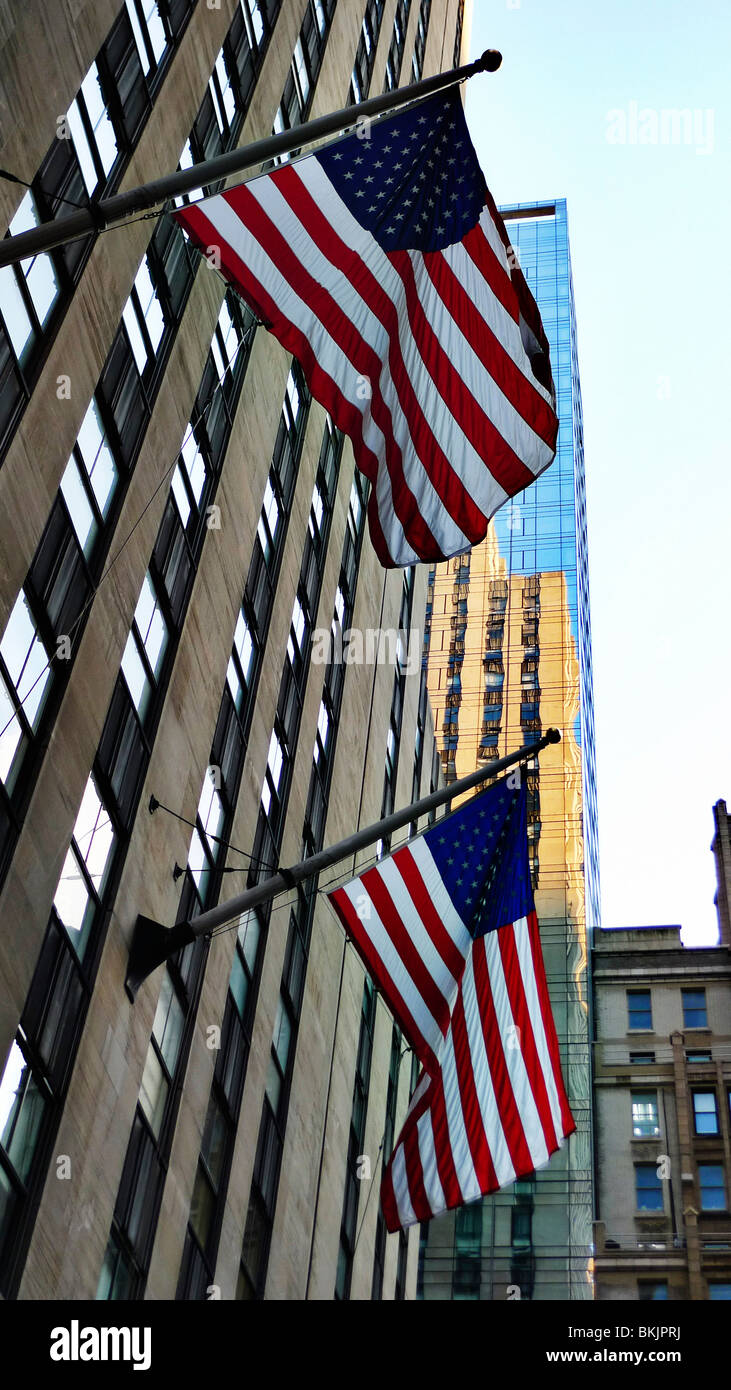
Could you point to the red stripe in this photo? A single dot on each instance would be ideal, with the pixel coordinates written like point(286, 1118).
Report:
point(405, 948)
point(375, 966)
point(497, 455)
point(527, 401)
point(495, 1043)
point(443, 943)
point(539, 970)
point(388, 1201)
point(519, 1006)
point(527, 307)
point(445, 480)
point(471, 1112)
point(408, 1142)
point(443, 1147)
point(489, 264)
point(415, 1172)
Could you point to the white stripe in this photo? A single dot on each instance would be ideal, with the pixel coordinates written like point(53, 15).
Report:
point(443, 905)
point(428, 1158)
point(406, 908)
point(497, 246)
point(527, 970)
point(459, 1143)
point(399, 1178)
point(384, 948)
point(512, 1051)
point(503, 325)
point(489, 1109)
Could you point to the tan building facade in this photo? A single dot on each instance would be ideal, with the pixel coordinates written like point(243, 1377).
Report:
point(179, 521)
point(662, 1130)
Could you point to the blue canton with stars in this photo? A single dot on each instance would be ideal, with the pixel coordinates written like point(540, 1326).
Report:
point(481, 852)
point(414, 182)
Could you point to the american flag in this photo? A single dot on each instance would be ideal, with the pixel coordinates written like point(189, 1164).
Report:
point(447, 928)
point(382, 263)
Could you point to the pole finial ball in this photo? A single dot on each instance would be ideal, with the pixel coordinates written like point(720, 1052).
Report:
point(490, 60)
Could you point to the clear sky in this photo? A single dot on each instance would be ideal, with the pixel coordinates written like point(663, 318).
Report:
point(576, 111)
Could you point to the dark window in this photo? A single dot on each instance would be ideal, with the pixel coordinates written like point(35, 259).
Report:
point(639, 1008)
point(649, 1187)
point(705, 1112)
point(645, 1124)
point(652, 1291)
point(694, 1008)
point(712, 1188)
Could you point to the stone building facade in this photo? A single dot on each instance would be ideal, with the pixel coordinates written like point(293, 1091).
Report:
point(177, 518)
point(662, 1131)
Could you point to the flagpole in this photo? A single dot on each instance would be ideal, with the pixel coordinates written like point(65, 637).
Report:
point(153, 944)
point(104, 212)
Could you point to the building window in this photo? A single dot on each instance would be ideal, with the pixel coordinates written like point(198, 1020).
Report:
point(649, 1187)
point(642, 1059)
point(719, 1292)
point(639, 1008)
point(705, 1112)
point(648, 1292)
point(695, 1058)
point(711, 1184)
point(694, 1008)
point(28, 291)
point(355, 1142)
point(644, 1115)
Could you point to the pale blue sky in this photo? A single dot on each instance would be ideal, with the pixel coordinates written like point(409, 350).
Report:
point(649, 223)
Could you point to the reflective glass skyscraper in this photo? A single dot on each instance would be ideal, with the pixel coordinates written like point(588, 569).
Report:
point(508, 647)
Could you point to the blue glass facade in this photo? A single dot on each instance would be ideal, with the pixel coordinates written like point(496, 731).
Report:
point(508, 641)
point(545, 528)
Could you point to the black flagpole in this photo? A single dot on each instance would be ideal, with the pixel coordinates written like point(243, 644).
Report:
point(103, 213)
point(153, 944)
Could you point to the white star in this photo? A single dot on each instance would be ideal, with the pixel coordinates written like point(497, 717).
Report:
point(358, 160)
point(378, 164)
point(351, 175)
point(338, 156)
